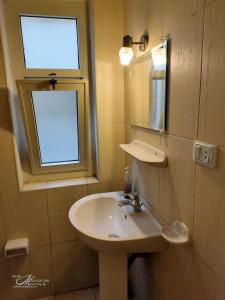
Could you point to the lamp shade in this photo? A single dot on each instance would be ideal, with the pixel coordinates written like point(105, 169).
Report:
point(126, 54)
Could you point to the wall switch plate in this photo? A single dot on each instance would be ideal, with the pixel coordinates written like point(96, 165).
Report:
point(205, 154)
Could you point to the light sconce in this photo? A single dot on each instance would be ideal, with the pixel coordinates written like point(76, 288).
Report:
point(126, 53)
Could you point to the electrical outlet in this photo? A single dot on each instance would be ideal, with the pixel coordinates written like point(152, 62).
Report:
point(205, 154)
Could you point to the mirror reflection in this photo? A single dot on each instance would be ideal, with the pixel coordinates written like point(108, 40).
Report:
point(147, 80)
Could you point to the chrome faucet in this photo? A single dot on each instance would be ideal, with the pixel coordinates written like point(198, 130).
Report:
point(133, 200)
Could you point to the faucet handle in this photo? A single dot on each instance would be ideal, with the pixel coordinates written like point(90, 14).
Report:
point(133, 196)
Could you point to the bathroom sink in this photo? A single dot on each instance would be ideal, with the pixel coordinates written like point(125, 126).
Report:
point(105, 226)
point(114, 231)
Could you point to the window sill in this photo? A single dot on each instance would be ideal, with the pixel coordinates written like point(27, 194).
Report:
point(34, 186)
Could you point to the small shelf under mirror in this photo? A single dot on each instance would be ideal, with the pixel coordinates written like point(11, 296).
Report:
point(145, 153)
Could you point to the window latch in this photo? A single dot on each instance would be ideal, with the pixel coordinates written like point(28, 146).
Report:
point(53, 81)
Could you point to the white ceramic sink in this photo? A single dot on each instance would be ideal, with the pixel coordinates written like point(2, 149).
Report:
point(105, 226)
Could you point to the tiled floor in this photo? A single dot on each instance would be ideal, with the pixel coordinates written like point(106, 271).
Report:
point(87, 294)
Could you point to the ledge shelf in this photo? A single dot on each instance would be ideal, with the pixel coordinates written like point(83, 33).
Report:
point(145, 153)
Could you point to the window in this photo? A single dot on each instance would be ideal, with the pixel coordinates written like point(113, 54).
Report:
point(56, 119)
point(55, 123)
point(50, 43)
point(47, 37)
point(47, 40)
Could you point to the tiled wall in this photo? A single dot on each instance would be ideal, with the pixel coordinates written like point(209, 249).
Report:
point(42, 215)
point(196, 110)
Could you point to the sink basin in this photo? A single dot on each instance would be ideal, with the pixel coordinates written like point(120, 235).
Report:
point(105, 226)
point(114, 231)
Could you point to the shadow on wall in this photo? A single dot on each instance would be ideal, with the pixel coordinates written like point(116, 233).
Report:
point(5, 122)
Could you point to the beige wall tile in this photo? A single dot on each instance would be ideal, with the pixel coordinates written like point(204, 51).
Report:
point(112, 157)
point(108, 34)
point(149, 184)
point(37, 263)
point(119, 185)
point(5, 279)
point(209, 222)
point(106, 186)
point(205, 283)
point(2, 230)
point(148, 136)
point(59, 202)
point(155, 19)
point(153, 266)
point(8, 179)
point(3, 83)
point(87, 294)
point(176, 11)
point(141, 17)
point(212, 109)
point(184, 77)
point(156, 293)
point(135, 18)
point(175, 272)
point(71, 265)
point(177, 181)
point(94, 274)
point(109, 83)
point(25, 215)
point(210, 1)
point(129, 133)
point(108, 28)
point(135, 174)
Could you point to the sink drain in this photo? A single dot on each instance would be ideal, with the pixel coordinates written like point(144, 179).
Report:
point(113, 235)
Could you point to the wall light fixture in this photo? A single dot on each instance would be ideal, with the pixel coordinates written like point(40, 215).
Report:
point(126, 53)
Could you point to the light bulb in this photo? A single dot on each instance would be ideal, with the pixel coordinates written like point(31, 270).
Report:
point(126, 54)
point(159, 59)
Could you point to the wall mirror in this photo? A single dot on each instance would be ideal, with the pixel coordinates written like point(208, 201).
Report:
point(147, 88)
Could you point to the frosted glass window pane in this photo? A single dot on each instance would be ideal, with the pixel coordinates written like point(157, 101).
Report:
point(56, 125)
point(50, 43)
